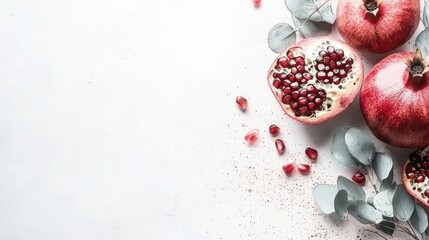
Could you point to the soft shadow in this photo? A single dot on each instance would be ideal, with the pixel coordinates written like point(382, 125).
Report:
point(322, 133)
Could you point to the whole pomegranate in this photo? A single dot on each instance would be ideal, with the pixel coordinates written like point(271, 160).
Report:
point(377, 26)
point(415, 175)
point(394, 100)
point(316, 79)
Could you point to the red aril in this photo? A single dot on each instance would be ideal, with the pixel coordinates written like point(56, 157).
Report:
point(241, 103)
point(252, 136)
point(359, 178)
point(316, 79)
point(304, 168)
point(375, 25)
point(288, 169)
point(281, 148)
point(311, 153)
point(394, 100)
point(415, 175)
point(256, 3)
point(274, 130)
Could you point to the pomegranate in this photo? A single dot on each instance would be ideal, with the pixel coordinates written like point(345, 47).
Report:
point(316, 79)
point(415, 175)
point(375, 25)
point(394, 100)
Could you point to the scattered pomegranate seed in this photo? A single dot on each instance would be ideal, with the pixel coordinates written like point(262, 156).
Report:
point(241, 103)
point(274, 130)
point(280, 145)
point(359, 178)
point(257, 3)
point(311, 153)
point(252, 136)
point(304, 168)
point(288, 168)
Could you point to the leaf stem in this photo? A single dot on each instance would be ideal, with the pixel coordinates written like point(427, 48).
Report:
point(375, 232)
point(365, 168)
point(316, 10)
point(412, 229)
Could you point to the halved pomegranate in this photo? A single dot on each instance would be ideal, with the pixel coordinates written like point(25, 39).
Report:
point(415, 175)
point(316, 79)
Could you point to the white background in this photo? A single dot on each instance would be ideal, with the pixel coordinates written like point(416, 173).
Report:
point(118, 121)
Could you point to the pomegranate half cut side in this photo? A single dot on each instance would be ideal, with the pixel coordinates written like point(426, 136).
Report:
point(316, 79)
point(415, 175)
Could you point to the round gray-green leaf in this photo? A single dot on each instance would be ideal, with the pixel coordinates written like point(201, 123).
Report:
point(324, 196)
point(312, 28)
point(382, 165)
point(419, 219)
point(281, 36)
point(422, 42)
point(340, 150)
point(303, 9)
point(426, 15)
point(354, 190)
point(389, 188)
point(382, 203)
point(340, 203)
point(360, 145)
point(403, 204)
point(364, 212)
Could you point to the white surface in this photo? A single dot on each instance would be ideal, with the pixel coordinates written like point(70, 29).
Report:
point(118, 121)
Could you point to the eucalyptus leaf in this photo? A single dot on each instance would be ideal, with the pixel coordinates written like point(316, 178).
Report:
point(281, 36)
point(354, 190)
point(419, 219)
point(324, 196)
point(370, 200)
point(403, 204)
point(360, 145)
point(340, 203)
point(313, 10)
point(364, 212)
point(427, 231)
point(340, 149)
point(311, 28)
point(386, 225)
point(422, 42)
point(389, 188)
point(382, 165)
point(426, 15)
point(383, 204)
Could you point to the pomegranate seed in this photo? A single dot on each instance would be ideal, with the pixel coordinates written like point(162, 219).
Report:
point(427, 193)
point(287, 90)
point(283, 76)
point(286, 83)
point(304, 168)
point(330, 49)
point(303, 92)
point(330, 74)
point(340, 53)
point(241, 103)
point(295, 85)
point(303, 101)
point(343, 73)
point(303, 111)
point(320, 75)
point(287, 99)
point(318, 101)
point(326, 60)
point(332, 65)
point(298, 76)
point(334, 56)
point(290, 77)
point(320, 67)
point(411, 175)
point(420, 179)
point(311, 106)
point(294, 105)
point(252, 136)
point(283, 61)
point(307, 76)
point(359, 178)
point(295, 95)
point(277, 84)
point(311, 153)
point(311, 97)
point(300, 61)
point(256, 3)
point(323, 53)
point(425, 165)
point(292, 63)
point(274, 130)
point(280, 145)
point(336, 80)
point(288, 168)
point(350, 61)
point(294, 70)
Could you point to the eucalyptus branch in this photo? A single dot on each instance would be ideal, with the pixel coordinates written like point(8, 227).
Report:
point(375, 232)
point(316, 10)
point(365, 168)
point(412, 229)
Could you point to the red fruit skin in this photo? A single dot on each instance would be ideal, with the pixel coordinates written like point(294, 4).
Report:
point(393, 25)
point(396, 111)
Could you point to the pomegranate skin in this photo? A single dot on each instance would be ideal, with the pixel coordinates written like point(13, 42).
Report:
point(395, 110)
point(393, 25)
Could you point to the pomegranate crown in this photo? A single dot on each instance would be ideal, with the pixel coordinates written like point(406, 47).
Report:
point(417, 66)
point(371, 6)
